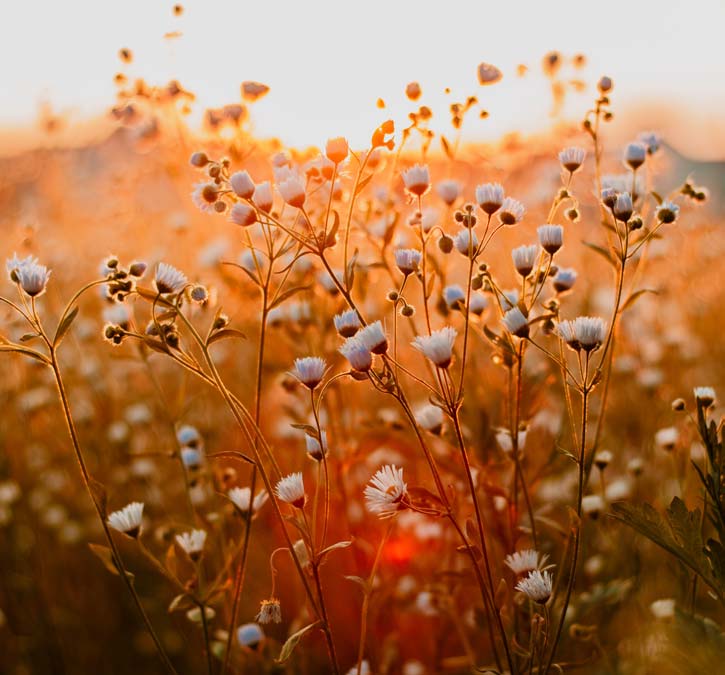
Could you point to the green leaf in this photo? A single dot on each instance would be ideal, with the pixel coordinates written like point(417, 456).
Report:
point(292, 641)
point(64, 326)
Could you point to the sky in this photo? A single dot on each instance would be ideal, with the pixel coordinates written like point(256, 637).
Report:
point(327, 62)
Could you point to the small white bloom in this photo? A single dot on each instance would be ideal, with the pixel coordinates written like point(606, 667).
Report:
point(667, 212)
point(407, 260)
point(430, 418)
point(291, 489)
point(537, 586)
point(564, 279)
point(505, 440)
point(663, 609)
point(169, 279)
point(623, 207)
point(204, 196)
point(704, 395)
point(357, 353)
point(33, 278)
point(466, 241)
point(250, 635)
point(592, 506)
point(14, 264)
point(572, 158)
point(516, 323)
point(386, 493)
point(667, 438)
point(243, 214)
point(510, 299)
point(347, 323)
point(310, 370)
point(635, 155)
point(490, 197)
point(192, 543)
point(374, 338)
point(448, 191)
point(188, 435)
point(523, 562)
point(128, 519)
point(292, 189)
point(478, 303)
point(551, 237)
point(241, 497)
point(590, 332)
point(454, 296)
point(417, 179)
point(263, 197)
point(512, 211)
point(524, 258)
point(314, 449)
point(242, 184)
point(438, 346)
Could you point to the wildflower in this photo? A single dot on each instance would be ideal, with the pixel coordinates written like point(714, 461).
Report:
point(191, 458)
point(667, 212)
point(537, 586)
point(488, 74)
point(478, 303)
point(667, 438)
point(505, 440)
point(407, 260)
point(490, 197)
point(269, 612)
point(169, 279)
point(634, 155)
point(192, 543)
point(623, 207)
point(438, 346)
point(448, 191)
point(128, 519)
point(417, 179)
point(32, 277)
point(336, 149)
point(592, 506)
point(512, 211)
point(454, 296)
point(314, 449)
point(243, 214)
point(242, 184)
point(551, 237)
point(188, 435)
point(523, 562)
point(310, 370)
point(347, 323)
point(663, 609)
point(250, 635)
point(466, 242)
point(650, 140)
point(263, 197)
point(524, 258)
point(387, 492)
point(291, 489)
point(205, 196)
point(357, 353)
point(241, 498)
point(374, 338)
point(589, 332)
point(430, 418)
point(705, 396)
point(572, 158)
point(14, 264)
point(609, 197)
point(603, 459)
point(564, 279)
point(292, 190)
point(516, 323)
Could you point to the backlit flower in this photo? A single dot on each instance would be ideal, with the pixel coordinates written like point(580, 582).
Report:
point(243, 214)
point(516, 323)
point(128, 519)
point(386, 493)
point(242, 184)
point(291, 489)
point(417, 179)
point(523, 562)
point(357, 353)
point(537, 586)
point(374, 338)
point(310, 370)
point(269, 612)
point(572, 158)
point(512, 211)
point(168, 279)
point(524, 258)
point(490, 197)
point(551, 237)
point(292, 190)
point(192, 543)
point(347, 323)
point(438, 346)
point(448, 190)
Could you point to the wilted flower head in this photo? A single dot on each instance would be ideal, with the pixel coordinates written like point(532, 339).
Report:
point(374, 338)
point(490, 197)
point(564, 279)
point(438, 346)
point(417, 179)
point(537, 586)
point(523, 562)
point(635, 155)
point(347, 323)
point(192, 543)
point(242, 184)
point(291, 489)
point(407, 260)
point(292, 190)
point(551, 237)
point(168, 279)
point(269, 612)
point(448, 191)
point(516, 323)
point(512, 211)
point(572, 158)
point(250, 635)
point(357, 353)
point(310, 370)
point(524, 258)
point(667, 212)
point(336, 149)
point(386, 493)
point(128, 519)
point(243, 214)
point(430, 418)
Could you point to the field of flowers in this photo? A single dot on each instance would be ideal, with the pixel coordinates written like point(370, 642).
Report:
point(418, 407)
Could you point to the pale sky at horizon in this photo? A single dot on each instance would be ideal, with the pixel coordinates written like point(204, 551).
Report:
point(327, 62)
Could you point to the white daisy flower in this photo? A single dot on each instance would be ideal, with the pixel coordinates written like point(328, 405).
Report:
point(537, 586)
point(448, 191)
point(204, 196)
point(387, 492)
point(564, 279)
point(357, 353)
point(32, 277)
point(263, 197)
point(313, 447)
point(128, 519)
point(523, 562)
point(192, 543)
point(242, 184)
point(291, 489)
point(241, 497)
point(590, 332)
point(243, 214)
point(430, 418)
point(572, 158)
point(512, 211)
point(634, 155)
point(438, 346)
point(592, 506)
point(416, 179)
point(478, 303)
point(250, 635)
point(14, 264)
point(310, 370)
point(524, 258)
point(551, 237)
point(623, 207)
point(667, 437)
point(374, 338)
point(292, 189)
point(651, 140)
point(407, 260)
point(505, 441)
point(516, 323)
point(667, 212)
point(347, 323)
point(704, 395)
point(490, 197)
point(466, 241)
point(168, 279)
point(454, 296)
